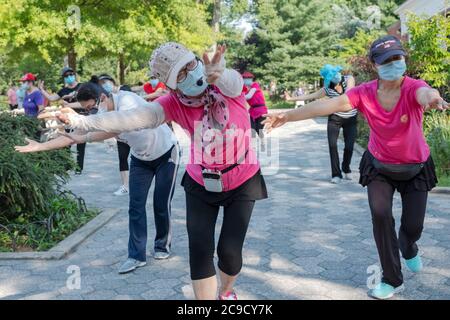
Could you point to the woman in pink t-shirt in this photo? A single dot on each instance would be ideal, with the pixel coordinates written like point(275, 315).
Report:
point(206, 100)
point(257, 102)
point(398, 157)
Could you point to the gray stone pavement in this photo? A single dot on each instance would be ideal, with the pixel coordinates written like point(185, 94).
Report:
point(309, 240)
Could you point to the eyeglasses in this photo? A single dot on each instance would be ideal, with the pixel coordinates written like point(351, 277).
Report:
point(393, 58)
point(69, 74)
point(189, 67)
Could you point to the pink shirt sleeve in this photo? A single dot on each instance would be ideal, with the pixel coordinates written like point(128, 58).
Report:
point(354, 95)
point(168, 104)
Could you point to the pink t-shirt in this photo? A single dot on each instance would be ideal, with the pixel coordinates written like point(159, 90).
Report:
point(12, 97)
point(232, 144)
point(257, 103)
point(395, 137)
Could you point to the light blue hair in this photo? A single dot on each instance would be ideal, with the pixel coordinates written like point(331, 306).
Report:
point(328, 72)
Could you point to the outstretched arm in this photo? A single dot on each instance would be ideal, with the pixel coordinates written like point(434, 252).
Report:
point(63, 141)
point(430, 98)
point(313, 96)
point(50, 97)
point(311, 110)
point(149, 115)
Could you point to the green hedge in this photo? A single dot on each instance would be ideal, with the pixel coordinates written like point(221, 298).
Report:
point(34, 211)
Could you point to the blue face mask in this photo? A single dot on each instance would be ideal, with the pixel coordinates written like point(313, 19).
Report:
point(25, 86)
point(154, 82)
point(195, 83)
point(108, 86)
point(392, 71)
point(69, 80)
point(337, 78)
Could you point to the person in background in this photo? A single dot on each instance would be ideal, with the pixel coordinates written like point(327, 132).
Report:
point(109, 85)
point(398, 156)
point(255, 98)
point(297, 93)
point(154, 89)
point(155, 156)
point(33, 101)
point(68, 94)
point(12, 97)
point(335, 84)
point(20, 94)
point(272, 88)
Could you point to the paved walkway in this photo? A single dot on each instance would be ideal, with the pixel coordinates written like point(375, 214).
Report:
point(310, 240)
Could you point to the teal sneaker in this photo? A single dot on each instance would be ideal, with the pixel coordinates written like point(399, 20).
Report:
point(385, 291)
point(414, 264)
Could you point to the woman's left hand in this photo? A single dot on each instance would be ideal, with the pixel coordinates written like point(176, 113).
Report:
point(435, 101)
point(214, 67)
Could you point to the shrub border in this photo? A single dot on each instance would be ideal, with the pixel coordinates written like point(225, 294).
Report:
point(69, 244)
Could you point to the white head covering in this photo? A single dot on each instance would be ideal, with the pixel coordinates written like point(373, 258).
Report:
point(167, 61)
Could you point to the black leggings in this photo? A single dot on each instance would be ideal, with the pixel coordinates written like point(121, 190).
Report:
point(201, 222)
point(413, 213)
point(124, 151)
point(349, 125)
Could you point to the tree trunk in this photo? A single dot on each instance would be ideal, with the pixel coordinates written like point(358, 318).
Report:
point(216, 16)
point(122, 68)
point(72, 54)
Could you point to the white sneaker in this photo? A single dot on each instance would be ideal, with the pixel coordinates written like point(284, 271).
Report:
point(131, 265)
point(336, 180)
point(122, 191)
point(161, 255)
point(347, 176)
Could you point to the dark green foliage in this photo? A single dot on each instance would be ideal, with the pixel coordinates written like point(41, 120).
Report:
point(28, 182)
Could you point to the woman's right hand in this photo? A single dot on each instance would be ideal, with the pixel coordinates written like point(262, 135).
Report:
point(32, 146)
point(274, 120)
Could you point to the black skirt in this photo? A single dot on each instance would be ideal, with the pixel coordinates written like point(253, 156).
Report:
point(425, 180)
point(251, 190)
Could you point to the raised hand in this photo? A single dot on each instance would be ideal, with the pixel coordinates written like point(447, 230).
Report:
point(214, 67)
point(41, 85)
point(32, 146)
point(274, 120)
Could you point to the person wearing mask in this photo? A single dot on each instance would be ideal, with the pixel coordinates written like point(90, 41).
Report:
point(206, 100)
point(299, 92)
point(155, 155)
point(335, 84)
point(109, 85)
point(154, 89)
point(33, 101)
point(398, 157)
point(257, 102)
point(12, 97)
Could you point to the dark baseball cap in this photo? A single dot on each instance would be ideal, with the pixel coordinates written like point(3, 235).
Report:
point(65, 70)
point(384, 48)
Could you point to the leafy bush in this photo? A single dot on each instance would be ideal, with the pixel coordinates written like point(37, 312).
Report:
point(28, 181)
point(34, 212)
point(437, 132)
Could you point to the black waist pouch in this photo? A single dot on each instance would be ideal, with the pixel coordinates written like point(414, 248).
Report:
point(399, 172)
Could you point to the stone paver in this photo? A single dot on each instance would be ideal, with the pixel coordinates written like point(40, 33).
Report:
point(309, 240)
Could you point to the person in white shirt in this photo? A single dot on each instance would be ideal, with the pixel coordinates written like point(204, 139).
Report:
point(154, 154)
